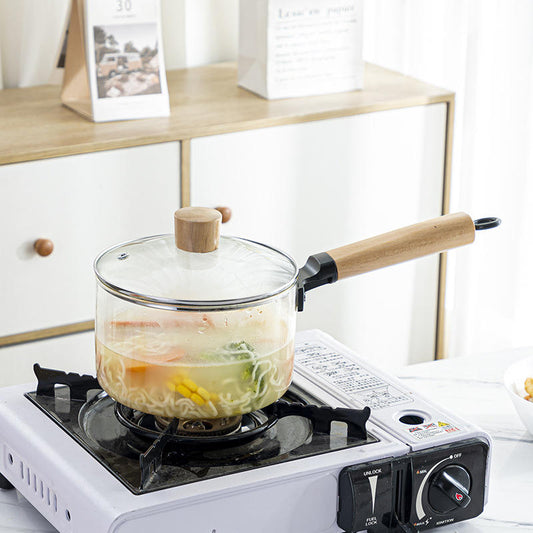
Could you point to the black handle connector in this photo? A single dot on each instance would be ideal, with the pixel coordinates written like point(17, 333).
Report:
point(318, 270)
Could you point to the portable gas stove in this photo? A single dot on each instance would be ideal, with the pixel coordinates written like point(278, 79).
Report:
point(312, 462)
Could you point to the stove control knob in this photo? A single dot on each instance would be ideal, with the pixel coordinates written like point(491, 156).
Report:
point(449, 489)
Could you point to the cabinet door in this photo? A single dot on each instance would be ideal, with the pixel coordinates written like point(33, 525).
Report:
point(83, 204)
point(311, 187)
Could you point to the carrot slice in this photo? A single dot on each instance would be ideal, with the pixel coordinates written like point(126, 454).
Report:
point(137, 369)
point(186, 320)
point(135, 324)
point(172, 355)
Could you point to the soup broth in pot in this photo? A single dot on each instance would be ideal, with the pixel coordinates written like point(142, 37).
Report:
point(196, 365)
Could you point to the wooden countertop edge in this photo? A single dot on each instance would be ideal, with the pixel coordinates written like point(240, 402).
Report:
point(39, 334)
point(217, 129)
point(211, 103)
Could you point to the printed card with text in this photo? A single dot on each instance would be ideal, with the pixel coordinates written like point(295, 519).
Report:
point(291, 48)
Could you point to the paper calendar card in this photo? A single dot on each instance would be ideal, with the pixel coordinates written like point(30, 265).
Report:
point(123, 60)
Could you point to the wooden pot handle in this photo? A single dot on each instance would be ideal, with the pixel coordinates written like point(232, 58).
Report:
point(418, 240)
point(429, 237)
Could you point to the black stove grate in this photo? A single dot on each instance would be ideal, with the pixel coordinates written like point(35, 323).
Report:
point(288, 429)
point(145, 425)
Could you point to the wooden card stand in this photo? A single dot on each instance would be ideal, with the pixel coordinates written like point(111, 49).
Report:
point(75, 92)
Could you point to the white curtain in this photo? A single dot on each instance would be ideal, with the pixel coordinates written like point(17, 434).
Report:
point(482, 50)
point(198, 32)
point(31, 35)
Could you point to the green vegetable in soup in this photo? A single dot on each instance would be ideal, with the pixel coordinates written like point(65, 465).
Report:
point(242, 351)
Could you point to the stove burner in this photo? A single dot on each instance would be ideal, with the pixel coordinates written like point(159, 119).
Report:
point(201, 428)
point(227, 431)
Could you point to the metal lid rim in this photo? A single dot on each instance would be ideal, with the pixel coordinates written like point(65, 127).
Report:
point(189, 305)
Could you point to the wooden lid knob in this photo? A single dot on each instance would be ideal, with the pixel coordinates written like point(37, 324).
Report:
point(197, 229)
point(225, 212)
point(43, 247)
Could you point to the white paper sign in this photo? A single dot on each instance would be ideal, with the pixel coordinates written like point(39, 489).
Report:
point(300, 47)
point(125, 60)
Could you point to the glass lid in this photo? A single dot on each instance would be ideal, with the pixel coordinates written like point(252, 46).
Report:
point(227, 270)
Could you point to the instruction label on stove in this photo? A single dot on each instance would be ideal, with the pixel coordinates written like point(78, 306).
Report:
point(426, 431)
point(345, 374)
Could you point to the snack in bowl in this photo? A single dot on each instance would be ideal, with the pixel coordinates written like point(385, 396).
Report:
point(518, 381)
point(528, 385)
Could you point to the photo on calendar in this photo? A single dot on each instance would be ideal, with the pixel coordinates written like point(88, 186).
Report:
point(127, 60)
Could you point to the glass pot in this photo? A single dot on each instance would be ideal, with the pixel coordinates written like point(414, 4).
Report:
point(196, 326)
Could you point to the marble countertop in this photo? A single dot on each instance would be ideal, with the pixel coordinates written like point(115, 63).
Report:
point(472, 388)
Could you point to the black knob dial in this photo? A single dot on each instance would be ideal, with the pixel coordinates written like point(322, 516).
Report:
point(449, 489)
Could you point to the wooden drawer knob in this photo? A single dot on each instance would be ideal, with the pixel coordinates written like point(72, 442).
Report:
point(225, 212)
point(197, 229)
point(43, 247)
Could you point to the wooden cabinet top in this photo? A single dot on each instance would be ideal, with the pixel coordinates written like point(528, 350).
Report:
point(203, 100)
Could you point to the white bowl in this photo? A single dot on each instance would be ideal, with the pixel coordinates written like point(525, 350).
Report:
point(514, 379)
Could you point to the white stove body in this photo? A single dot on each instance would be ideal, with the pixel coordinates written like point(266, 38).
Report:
point(77, 494)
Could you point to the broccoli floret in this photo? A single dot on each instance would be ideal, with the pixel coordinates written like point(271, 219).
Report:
point(242, 351)
point(239, 347)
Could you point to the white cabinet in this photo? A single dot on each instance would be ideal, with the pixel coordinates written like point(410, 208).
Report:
point(307, 188)
point(83, 203)
point(71, 353)
point(304, 174)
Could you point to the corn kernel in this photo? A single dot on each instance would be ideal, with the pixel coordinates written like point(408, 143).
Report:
point(213, 397)
point(191, 385)
point(172, 386)
point(203, 393)
point(197, 399)
point(178, 380)
point(184, 391)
